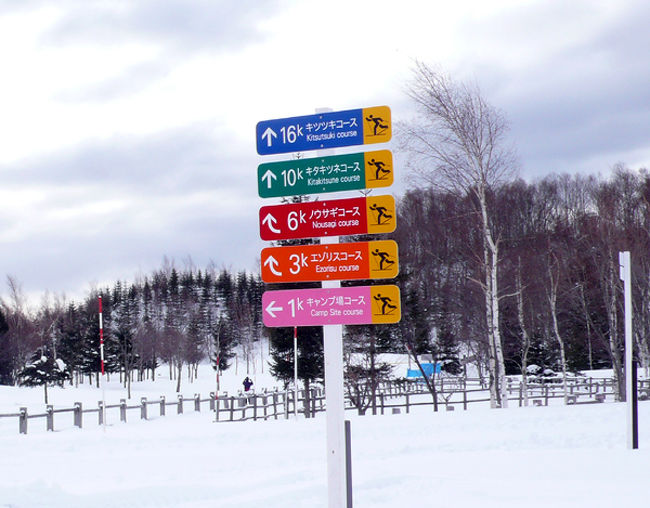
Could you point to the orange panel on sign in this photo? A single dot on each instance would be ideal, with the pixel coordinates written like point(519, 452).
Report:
point(344, 261)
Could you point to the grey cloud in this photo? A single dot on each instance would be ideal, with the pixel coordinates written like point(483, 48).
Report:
point(169, 162)
point(200, 24)
point(69, 261)
point(131, 81)
point(581, 102)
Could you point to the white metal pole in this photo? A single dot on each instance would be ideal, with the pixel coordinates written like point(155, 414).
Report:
point(334, 401)
point(334, 393)
point(295, 371)
point(626, 277)
point(216, 393)
point(101, 357)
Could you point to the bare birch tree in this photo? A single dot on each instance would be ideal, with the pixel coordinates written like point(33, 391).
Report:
point(458, 144)
point(552, 293)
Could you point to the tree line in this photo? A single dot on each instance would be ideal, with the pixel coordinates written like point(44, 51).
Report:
point(177, 317)
point(560, 296)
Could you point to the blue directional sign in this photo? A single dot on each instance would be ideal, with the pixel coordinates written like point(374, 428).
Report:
point(324, 130)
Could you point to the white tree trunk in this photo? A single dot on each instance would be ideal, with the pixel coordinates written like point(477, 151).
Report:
point(491, 258)
point(556, 331)
point(492, 366)
point(525, 336)
point(501, 364)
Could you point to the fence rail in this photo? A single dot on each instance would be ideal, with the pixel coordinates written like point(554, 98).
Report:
point(390, 396)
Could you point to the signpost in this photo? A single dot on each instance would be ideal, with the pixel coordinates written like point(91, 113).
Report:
point(325, 174)
point(324, 130)
point(342, 261)
point(331, 306)
point(318, 307)
point(335, 217)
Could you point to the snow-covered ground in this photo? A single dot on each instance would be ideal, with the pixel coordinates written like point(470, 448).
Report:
point(552, 456)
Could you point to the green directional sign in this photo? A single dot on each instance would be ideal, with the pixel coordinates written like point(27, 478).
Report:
point(325, 174)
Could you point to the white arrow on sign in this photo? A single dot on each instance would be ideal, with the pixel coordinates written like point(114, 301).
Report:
point(269, 134)
point(270, 221)
point(271, 309)
point(272, 264)
point(269, 176)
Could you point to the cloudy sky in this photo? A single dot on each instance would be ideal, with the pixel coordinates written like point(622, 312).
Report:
point(127, 127)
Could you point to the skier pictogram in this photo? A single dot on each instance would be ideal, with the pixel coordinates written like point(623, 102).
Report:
point(384, 258)
point(378, 126)
point(382, 216)
point(380, 167)
point(385, 304)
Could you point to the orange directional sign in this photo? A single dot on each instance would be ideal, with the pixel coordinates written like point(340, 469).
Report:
point(344, 261)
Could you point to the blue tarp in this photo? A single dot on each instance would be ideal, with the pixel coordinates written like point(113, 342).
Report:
point(426, 367)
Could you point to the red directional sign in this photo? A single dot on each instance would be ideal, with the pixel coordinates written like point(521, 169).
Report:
point(335, 217)
point(342, 261)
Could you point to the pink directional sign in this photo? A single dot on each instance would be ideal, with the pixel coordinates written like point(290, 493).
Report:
point(331, 306)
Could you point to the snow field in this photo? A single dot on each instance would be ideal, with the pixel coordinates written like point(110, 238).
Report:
point(557, 456)
point(554, 456)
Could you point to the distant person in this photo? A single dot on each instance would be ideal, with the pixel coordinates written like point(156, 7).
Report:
point(247, 384)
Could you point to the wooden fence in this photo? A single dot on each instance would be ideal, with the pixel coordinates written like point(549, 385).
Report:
point(390, 396)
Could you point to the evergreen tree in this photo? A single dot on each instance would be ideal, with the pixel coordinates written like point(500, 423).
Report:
point(44, 368)
point(310, 356)
point(223, 340)
point(69, 339)
point(447, 351)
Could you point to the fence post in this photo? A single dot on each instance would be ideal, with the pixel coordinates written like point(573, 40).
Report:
point(162, 405)
point(197, 402)
point(407, 403)
point(232, 408)
point(465, 394)
point(521, 392)
point(179, 408)
point(265, 400)
point(255, 407)
point(50, 417)
point(123, 410)
point(285, 401)
point(22, 421)
point(212, 399)
point(78, 412)
point(100, 415)
point(381, 401)
point(546, 395)
point(143, 408)
point(275, 405)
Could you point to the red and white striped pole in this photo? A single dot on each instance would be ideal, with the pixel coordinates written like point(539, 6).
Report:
point(101, 356)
